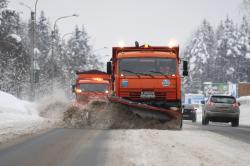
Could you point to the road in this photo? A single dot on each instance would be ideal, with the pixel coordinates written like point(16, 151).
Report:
point(60, 147)
point(241, 133)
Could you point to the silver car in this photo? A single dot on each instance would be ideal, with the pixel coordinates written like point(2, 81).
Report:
point(221, 108)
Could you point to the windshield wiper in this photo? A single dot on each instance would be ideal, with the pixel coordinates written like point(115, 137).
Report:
point(159, 73)
point(147, 74)
point(137, 74)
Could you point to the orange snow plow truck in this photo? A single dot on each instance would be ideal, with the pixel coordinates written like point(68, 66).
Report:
point(91, 85)
point(147, 80)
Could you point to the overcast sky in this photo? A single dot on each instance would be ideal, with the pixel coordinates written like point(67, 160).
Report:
point(147, 21)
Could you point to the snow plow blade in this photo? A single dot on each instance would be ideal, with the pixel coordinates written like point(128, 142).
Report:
point(147, 111)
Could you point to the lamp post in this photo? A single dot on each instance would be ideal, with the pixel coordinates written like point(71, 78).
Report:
point(34, 65)
point(52, 46)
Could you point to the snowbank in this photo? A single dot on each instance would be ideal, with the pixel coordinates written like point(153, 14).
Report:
point(244, 99)
point(245, 114)
point(11, 105)
point(18, 118)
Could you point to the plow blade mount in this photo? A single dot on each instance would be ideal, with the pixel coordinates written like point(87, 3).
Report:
point(147, 111)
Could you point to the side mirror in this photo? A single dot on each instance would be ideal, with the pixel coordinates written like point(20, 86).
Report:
point(185, 68)
point(73, 88)
point(203, 102)
point(109, 67)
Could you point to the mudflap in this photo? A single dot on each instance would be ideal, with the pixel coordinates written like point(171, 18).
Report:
point(149, 112)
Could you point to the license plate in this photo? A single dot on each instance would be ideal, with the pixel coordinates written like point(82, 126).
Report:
point(185, 116)
point(147, 94)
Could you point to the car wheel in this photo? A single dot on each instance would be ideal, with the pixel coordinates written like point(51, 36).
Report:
point(235, 122)
point(205, 121)
point(194, 119)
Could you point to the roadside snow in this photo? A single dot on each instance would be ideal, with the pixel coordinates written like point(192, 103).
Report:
point(245, 114)
point(189, 147)
point(18, 118)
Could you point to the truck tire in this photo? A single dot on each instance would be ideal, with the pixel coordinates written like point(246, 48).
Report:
point(235, 122)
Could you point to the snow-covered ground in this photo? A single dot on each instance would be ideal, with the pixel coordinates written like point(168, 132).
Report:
point(19, 118)
point(189, 147)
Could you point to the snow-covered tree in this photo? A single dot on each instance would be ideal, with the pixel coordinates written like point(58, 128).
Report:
point(200, 54)
point(228, 52)
point(14, 62)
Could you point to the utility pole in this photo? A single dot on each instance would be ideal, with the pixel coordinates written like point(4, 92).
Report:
point(32, 92)
point(34, 67)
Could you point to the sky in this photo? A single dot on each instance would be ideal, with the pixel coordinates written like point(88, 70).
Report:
point(155, 22)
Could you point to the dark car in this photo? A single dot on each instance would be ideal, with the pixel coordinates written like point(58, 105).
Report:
point(189, 112)
point(221, 108)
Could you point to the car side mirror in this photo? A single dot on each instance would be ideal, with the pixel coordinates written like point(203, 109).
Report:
point(185, 68)
point(73, 88)
point(109, 67)
point(202, 102)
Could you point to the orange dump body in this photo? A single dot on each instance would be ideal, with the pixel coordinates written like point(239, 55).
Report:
point(91, 85)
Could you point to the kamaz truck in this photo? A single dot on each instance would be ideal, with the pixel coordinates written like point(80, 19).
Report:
point(147, 80)
point(90, 85)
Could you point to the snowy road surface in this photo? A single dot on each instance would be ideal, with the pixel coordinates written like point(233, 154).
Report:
point(216, 144)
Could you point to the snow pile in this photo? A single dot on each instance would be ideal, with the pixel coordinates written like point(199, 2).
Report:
point(245, 114)
point(18, 117)
point(103, 115)
point(10, 105)
point(244, 100)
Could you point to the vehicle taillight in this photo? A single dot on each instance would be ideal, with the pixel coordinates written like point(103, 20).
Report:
point(210, 104)
point(193, 110)
point(236, 105)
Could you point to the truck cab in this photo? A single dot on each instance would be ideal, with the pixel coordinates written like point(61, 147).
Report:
point(148, 75)
point(91, 85)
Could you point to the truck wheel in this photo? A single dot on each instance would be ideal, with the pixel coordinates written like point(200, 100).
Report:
point(179, 123)
point(235, 122)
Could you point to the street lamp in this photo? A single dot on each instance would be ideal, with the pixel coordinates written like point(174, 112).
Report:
point(66, 34)
point(34, 63)
point(52, 45)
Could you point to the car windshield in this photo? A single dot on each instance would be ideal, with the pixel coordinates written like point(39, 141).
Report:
point(223, 99)
point(153, 66)
point(94, 87)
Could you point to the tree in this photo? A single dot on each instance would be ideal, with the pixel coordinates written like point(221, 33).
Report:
point(14, 61)
point(200, 54)
point(227, 51)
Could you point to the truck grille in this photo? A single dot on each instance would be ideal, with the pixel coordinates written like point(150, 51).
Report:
point(136, 95)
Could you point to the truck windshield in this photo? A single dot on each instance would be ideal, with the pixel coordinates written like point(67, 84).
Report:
point(93, 87)
point(154, 66)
